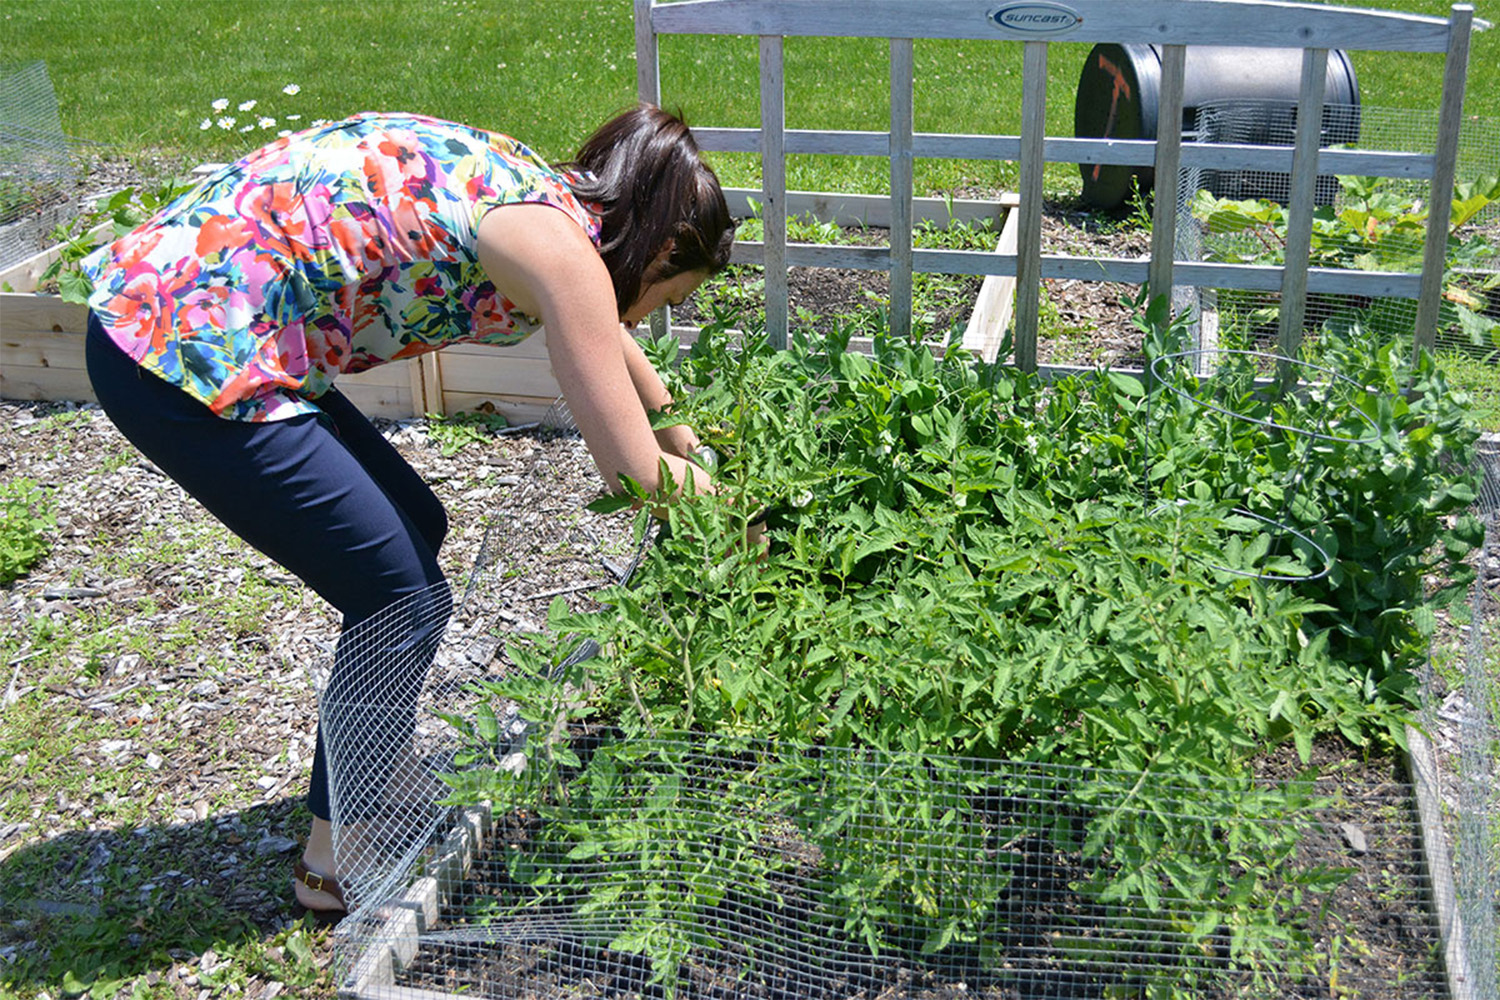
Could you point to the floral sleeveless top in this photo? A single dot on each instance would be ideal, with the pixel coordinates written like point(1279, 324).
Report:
point(332, 250)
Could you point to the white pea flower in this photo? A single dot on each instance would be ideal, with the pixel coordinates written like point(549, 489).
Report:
point(247, 106)
point(802, 499)
point(264, 122)
point(1031, 442)
point(515, 763)
point(291, 90)
point(221, 104)
point(226, 123)
point(205, 124)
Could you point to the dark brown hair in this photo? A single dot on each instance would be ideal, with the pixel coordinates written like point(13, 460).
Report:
point(643, 169)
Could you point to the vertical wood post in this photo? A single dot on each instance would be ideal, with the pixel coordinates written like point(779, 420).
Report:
point(1168, 166)
point(1440, 194)
point(773, 186)
point(903, 120)
point(648, 89)
point(1029, 221)
point(1304, 190)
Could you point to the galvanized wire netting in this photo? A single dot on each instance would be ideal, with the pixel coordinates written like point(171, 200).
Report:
point(37, 163)
point(728, 869)
point(594, 867)
point(1379, 238)
point(1460, 713)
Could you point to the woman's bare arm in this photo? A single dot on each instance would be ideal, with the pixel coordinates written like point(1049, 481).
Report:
point(544, 262)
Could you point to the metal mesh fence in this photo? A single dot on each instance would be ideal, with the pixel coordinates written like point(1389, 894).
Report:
point(747, 870)
point(589, 866)
point(1462, 706)
point(1364, 224)
point(37, 165)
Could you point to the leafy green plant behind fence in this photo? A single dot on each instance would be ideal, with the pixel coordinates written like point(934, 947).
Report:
point(972, 564)
point(1374, 225)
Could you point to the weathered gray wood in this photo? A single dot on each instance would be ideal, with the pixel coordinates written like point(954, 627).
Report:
point(648, 89)
point(647, 64)
point(903, 117)
point(1440, 197)
point(1132, 271)
point(1302, 201)
point(1125, 152)
point(1182, 22)
point(773, 179)
point(870, 209)
point(1029, 222)
point(1168, 160)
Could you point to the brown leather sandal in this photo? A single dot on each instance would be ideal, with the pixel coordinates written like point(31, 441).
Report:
point(321, 883)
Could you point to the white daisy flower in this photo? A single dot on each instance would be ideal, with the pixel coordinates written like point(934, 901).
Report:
point(294, 118)
point(206, 124)
point(291, 89)
point(221, 104)
point(226, 123)
point(247, 128)
point(264, 122)
point(283, 133)
point(247, 106)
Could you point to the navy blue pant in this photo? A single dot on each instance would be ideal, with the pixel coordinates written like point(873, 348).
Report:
point(329, 499)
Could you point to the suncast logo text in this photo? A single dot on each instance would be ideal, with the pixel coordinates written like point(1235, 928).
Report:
point(1036, 18)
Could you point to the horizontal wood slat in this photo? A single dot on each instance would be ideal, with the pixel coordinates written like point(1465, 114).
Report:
point(1162, 22)
point(1124, 152)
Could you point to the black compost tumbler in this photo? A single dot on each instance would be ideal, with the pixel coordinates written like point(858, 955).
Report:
point(1254, 92)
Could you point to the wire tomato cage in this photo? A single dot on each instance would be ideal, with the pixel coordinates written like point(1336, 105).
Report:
point(1313, 408)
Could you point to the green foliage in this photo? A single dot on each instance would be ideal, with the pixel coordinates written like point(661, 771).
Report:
point(453, 433)
point(1376, 229)
point(124, 210)
point(25, 518)
point(971, 564)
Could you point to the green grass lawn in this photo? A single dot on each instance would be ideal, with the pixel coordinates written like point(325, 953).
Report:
point(141, 75)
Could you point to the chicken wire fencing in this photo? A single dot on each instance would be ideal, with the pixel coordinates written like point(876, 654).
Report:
point(384, 696)
point(38, 167)
point(741, 869)
point(1362, 223)
point(738, 868)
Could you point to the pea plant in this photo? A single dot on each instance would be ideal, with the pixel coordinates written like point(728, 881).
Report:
point(971, 565)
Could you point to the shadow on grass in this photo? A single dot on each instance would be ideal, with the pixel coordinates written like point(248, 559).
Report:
point(112, 906)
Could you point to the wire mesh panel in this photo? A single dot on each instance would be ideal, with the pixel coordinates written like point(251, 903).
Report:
point(737, 869)
point(1362, 224)
point(36, 161)
point(1460, 713)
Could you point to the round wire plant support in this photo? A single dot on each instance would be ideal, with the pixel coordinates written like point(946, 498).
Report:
point(1271, 373)
point(1282, 363)
point(1324, 557)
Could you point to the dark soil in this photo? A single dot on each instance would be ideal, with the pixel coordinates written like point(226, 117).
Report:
point(1083, 323)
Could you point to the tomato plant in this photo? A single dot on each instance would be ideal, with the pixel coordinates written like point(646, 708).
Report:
point(971, 564)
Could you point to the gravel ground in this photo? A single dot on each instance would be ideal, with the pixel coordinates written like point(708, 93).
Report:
point(160, 675)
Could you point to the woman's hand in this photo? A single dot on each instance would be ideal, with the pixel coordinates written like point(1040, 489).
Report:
point(680, 440)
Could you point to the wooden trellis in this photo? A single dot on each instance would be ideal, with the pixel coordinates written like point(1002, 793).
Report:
point(1171, 24)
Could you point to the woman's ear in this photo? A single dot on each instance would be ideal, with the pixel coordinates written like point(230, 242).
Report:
point(659, 264)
